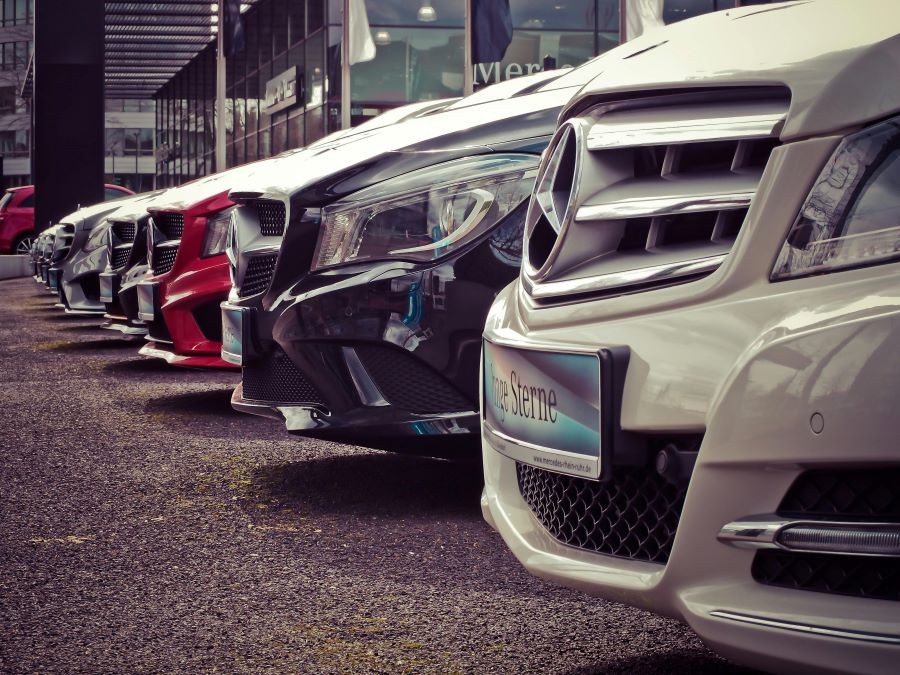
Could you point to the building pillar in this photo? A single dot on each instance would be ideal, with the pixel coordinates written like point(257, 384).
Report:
point(68, 107)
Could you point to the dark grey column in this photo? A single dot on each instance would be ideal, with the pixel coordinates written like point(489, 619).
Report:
point(68, 107)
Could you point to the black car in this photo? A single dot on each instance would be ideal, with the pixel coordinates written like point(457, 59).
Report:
point(363, 324)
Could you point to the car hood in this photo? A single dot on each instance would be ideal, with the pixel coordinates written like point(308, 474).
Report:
point(85, 218)
point(839, 59)
point(132, 209)
point(318, 175)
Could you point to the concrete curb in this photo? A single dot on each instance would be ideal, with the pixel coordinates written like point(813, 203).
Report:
point(12, 266)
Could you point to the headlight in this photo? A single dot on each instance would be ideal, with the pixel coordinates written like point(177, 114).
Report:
point(852, 215)
point(427, 213)
point(217, 226)
point(97, 237)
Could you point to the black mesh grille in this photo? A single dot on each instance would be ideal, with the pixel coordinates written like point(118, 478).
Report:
point(170, 224)
point(842, 494)
point(409, 384)
point(860, 576)
point(259, 273)
point(846, 494)
point(275, 379)
point(634, 516)
point(272, 217)
point(164, 258)
point(125, 231)
point(120, 257)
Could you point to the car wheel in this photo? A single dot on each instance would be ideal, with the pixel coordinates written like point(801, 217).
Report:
point(22, 244)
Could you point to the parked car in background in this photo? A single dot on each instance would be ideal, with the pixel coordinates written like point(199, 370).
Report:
point(17, 227)
point(126, 243)
point(190, 273)
point(81, 254)
point(689, 395)
point(43, 252)
point(363, 324)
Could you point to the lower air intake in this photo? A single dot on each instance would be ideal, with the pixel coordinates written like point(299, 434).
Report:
point(859, 576)
point(633, 516)
point(845, 494)
point(409, 384)
point(275, 379)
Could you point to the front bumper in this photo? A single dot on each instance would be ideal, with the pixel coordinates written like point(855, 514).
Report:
point(122, 312)
point(182, 314)
point(748, 370)
point(384, 357)
point(79, 282)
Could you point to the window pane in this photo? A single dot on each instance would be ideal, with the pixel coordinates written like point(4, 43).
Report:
point(279, 138)
point(676, 10)
point(315, 124)
point(447, 13)
point(315, 15)
point(295, 132)
point(146, 142)
point(543, 14)
point(414, 64)
point(115, 142)
point(315, 76)
point(297, 19)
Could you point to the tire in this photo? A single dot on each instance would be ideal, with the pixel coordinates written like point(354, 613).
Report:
point(22, 244)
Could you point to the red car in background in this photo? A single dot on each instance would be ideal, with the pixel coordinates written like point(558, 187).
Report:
point(17, 216)
point(191, 277)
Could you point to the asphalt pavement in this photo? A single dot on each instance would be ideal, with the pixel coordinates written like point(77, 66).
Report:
point(147, 527)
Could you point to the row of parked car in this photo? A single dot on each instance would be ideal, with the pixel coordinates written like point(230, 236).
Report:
point(654, 292)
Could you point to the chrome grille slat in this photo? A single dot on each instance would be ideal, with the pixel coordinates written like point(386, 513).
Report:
point(658, 192)
point(664, 206)
point(686, 124)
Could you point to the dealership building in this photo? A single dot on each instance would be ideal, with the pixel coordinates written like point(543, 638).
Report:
point(283, 86)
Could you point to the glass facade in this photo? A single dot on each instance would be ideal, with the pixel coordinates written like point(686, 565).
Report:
point(279, 35)
point(16, 12)
point(284, 87)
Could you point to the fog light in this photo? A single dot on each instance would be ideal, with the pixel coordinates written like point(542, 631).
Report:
point(854, 539)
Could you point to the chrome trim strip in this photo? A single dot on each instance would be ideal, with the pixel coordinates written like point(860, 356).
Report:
point(761, 532)
point(819, 631)
point(233, 359)
point(622, 280)
point(156, 353)
point(664, 206)
point(125, 330)
point(368, 391)
point(603, 136)
point(753, 533)
point(85, 312)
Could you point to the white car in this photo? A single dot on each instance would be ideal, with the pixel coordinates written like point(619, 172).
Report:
point(688, 396)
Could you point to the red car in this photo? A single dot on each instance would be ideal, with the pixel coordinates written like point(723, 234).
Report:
point(180, 302)
point(17, 216)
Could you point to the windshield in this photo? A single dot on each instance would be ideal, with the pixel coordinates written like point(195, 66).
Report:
point(7, 198)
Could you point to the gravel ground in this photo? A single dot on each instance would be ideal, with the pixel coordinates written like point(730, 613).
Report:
point(145, 526)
